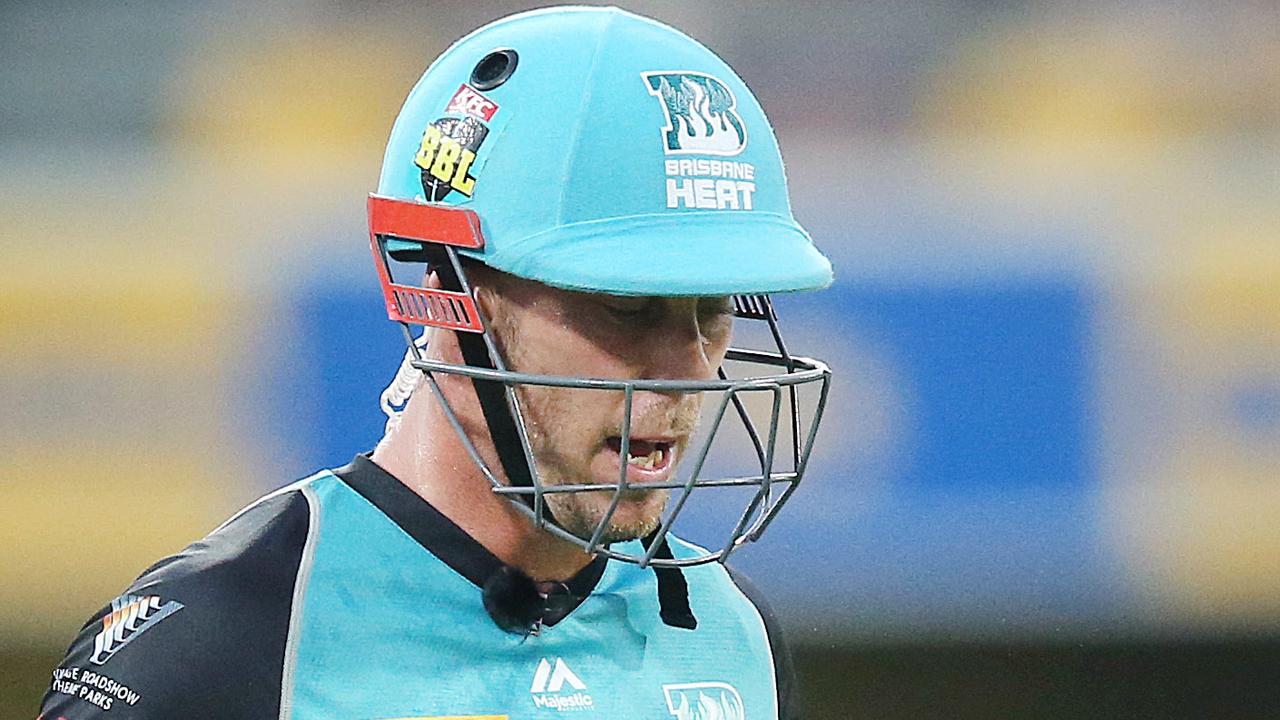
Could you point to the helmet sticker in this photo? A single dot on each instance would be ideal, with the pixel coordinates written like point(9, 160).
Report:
point(449, 156)
point(701, 119)
point(469, 101)
point(446, 155)
point(700, 114)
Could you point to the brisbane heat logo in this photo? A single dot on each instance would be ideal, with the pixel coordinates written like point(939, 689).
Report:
point(700, 112)
point(704, 701)
point(702, 119)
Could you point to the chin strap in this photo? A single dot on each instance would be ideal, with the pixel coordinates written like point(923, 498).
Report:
point(492, 396)
point(673, 589)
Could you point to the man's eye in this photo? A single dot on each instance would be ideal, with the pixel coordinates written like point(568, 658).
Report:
point(712, 306)
point(627, 307)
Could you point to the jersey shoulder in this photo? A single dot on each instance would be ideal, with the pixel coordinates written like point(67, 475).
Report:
point(718, 587)
point(201, 633)
point(784, 667)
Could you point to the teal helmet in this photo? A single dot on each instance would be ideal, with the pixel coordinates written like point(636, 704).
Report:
point(595, 150)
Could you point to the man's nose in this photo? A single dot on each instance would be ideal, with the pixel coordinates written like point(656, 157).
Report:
point(679, 350)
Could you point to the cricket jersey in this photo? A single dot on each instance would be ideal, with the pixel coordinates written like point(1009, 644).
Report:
point(346, 596)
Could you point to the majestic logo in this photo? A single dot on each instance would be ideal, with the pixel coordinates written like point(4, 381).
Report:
point(548, 688)
point(700, 113)
point(130, 616)
point(704, 701)
point(469, 101)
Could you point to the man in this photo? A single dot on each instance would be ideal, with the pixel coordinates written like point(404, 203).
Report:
point(597, 197)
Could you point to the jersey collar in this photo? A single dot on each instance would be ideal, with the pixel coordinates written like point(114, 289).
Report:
point(442, 538)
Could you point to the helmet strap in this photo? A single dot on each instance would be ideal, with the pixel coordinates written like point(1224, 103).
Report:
point(491, 394)
point(673, 589)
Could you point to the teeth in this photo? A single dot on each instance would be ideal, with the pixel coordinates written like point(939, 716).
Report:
point(646, 461)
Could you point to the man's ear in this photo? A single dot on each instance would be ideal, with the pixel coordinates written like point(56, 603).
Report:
point(441, 344)
point(444, 343)
point(479, 289)
point(485, 294)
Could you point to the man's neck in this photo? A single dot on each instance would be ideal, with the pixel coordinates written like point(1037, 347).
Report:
point(425, 454)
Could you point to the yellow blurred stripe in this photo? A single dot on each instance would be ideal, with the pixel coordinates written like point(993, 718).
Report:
point(81, 523)
point(1231, 293)
point(1205, 531)
point(118, 313)
point(285, 111)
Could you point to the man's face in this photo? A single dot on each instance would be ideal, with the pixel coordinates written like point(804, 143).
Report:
point(575, 433)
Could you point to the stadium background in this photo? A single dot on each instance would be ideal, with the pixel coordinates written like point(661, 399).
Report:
point(1048, 482)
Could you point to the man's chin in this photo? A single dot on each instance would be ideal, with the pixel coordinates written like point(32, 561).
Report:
point(638, 514)
point(623, 534)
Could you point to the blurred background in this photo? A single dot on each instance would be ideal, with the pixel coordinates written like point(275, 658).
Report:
point(1049, 479)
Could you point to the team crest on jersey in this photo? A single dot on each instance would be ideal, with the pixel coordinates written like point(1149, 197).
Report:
point(130, 616)
point(704, 701)
point(700, 111)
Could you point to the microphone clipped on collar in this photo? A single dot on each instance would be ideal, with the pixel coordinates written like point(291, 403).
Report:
point(519, 605)
point(511, 599)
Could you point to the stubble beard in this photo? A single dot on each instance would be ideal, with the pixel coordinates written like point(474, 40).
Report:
point(639, 511)
point(580, 513)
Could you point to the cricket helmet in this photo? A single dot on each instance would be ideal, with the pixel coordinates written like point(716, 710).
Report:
point(595, 150)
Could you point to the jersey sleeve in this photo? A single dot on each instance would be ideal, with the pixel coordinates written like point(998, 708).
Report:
point(789, 705)
point(200, 634)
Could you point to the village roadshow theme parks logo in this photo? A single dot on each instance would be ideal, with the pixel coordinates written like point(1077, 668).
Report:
point(130, 616)
point(93, 687)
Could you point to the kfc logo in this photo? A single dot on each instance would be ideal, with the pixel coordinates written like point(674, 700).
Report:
point(469, 101)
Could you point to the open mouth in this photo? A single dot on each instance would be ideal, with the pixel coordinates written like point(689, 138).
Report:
point(647, 458)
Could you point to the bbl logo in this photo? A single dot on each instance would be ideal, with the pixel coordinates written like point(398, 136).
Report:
point(448, 149)
point(700, 113)
point(449, 145)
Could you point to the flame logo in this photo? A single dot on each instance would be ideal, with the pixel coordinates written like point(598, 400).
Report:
point(700, 114)
point(704, 701)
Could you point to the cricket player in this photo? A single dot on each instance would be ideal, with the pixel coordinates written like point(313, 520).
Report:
point(596, 198)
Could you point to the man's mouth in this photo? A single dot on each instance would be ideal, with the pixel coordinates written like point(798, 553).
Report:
point(647, 459)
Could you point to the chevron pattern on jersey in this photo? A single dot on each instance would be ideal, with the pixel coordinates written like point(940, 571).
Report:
point(130, 616)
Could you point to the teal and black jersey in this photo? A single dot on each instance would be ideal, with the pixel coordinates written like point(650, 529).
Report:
point(346, 596)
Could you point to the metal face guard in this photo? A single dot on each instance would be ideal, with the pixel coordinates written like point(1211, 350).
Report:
point(765, 502)
point(438, 231)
